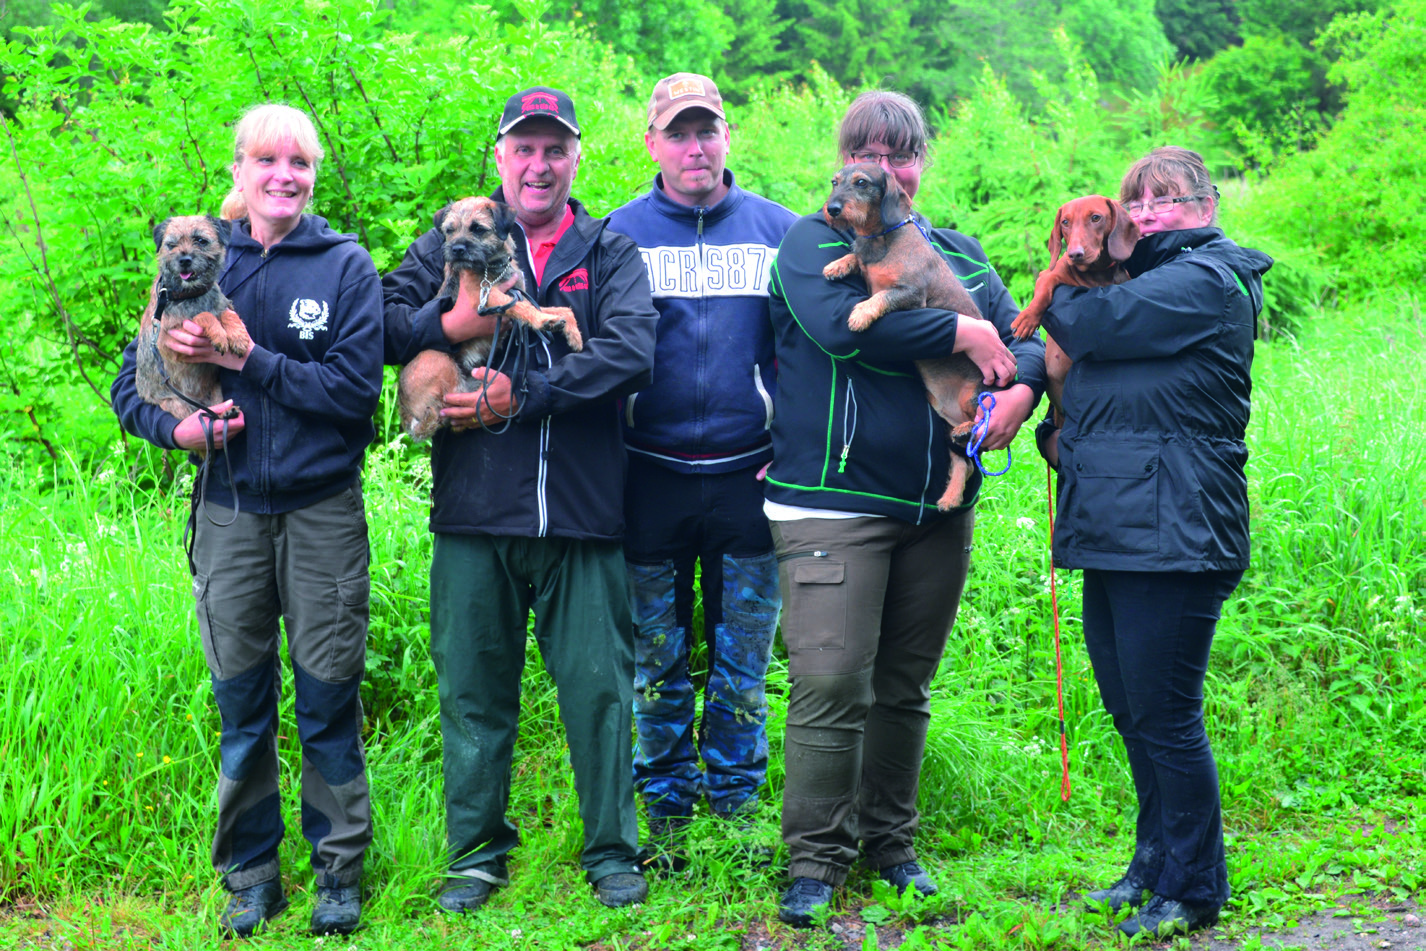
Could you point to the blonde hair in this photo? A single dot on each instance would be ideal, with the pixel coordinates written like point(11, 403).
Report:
point(1169, 169)
point(262, 127)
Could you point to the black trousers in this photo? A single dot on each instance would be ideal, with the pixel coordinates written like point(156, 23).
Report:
point(1148, 635)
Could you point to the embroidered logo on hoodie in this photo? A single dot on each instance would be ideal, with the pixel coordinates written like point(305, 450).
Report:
point(308, 317)
point(576, 280)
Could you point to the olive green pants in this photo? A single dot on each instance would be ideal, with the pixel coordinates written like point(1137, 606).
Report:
point(483, 588)
point(867, 606)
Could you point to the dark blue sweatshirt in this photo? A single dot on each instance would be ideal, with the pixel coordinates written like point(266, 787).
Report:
point(309, 389)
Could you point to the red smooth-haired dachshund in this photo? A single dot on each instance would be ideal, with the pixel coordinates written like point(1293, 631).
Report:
point(1089, 242)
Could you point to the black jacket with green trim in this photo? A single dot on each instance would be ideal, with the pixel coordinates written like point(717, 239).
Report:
point(852, 430)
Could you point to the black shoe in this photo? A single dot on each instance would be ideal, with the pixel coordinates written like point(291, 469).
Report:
point(338, 908)
point(466, 894)
point(664, 852)
point(907, 874)
point(622, 888)
point(800, 902)
point(1162, 917)
point(249, 909)
point(1116, 896)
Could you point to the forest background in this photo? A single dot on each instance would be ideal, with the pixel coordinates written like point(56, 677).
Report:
point(118, 114)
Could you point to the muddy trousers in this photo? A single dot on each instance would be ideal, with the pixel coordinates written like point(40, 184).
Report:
point(733, 738)
point(1148, 634)
point(483, 589)
point(308, 568)
point(868, 605)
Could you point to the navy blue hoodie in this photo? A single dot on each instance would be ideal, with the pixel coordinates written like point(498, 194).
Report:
point(309, 389)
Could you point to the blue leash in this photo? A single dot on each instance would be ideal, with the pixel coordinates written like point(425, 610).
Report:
point(977, 436)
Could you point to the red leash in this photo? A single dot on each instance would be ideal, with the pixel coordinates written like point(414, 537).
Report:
point(1059, 660)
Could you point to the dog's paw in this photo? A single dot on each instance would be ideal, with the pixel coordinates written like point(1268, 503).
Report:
point(863, 316)
point(840, 268)
point(1024, 325)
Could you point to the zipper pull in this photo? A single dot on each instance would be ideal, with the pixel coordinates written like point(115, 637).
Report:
point(842, 463)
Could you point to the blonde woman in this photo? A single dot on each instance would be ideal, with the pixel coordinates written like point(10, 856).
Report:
point(295, 549)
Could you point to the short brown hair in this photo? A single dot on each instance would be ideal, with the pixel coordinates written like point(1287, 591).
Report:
point(1168, 170)
point(883, 116)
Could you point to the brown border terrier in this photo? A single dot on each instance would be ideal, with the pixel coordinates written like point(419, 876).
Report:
point(1096, 236)
point(191, 249)
point(904, 271)
point(479, 252)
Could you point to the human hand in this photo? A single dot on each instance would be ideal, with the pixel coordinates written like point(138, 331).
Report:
point(1012, 408)
point(488, 406)
point(463, 321)
point(190, 344)
point(188, 434)
point(979, 340)
point(1047, 440)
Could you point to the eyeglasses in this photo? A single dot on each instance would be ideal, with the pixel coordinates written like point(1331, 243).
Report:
point(1158, 206)
point(894, 159)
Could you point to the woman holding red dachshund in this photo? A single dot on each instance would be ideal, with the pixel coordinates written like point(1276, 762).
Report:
point(871, 572)
point(1153, 506)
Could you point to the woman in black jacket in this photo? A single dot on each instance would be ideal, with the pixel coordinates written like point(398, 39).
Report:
point(1153, 506)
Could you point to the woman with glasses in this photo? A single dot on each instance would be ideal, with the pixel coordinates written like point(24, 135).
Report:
point(871, 573)
point(1153, 506)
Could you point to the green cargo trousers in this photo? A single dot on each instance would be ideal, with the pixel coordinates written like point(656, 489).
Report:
point(867, 606)
point(483, 588)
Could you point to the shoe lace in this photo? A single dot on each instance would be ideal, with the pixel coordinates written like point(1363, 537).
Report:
point(809, 887)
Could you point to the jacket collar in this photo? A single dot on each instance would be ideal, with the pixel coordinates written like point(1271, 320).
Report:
point(667, 206)
point(1156, 249)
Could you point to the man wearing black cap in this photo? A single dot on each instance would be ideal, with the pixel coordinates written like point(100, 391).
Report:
point(697, 438)
point(529, 515)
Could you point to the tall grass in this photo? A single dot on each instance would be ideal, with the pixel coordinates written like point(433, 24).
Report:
point(1315, 701)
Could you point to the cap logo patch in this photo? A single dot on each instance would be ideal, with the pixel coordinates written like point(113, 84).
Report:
point(539, 102)
point(685, 87)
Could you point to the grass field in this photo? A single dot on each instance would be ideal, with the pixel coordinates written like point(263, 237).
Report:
point(1316, 705)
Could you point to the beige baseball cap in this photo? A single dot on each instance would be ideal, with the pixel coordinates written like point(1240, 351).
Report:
point(673, 94)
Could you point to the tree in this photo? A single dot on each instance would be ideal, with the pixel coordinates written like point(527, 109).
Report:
point(1197, 29)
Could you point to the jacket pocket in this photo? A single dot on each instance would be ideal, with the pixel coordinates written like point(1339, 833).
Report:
point(1115, 505)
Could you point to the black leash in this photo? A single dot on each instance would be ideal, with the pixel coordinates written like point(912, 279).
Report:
point(514, 362)
point(206, 419)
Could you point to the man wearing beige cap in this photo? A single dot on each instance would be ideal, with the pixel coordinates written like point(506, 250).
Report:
point(696, 440)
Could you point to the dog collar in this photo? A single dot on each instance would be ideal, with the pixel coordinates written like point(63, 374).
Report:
point(908, 220)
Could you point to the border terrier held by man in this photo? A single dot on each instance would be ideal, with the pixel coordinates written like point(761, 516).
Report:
point(191, 249)
point(478, 249)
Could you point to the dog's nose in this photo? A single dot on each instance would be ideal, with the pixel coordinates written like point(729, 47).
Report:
point(184, 260)
point(1075, 254)
point(835, 210)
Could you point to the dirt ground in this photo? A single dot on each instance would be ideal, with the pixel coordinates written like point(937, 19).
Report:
point(1361, 925)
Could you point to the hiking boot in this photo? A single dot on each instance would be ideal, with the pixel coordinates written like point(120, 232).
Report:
point(249, 909)
point(1116, 896)
point(465, 894)
point(622, 888)
point(664, 854)
point(903, 876)
point(338, 909)
point(802, 900)
point(1163, 917)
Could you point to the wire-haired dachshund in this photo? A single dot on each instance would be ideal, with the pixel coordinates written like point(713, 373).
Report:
point(904, 271)
point(1090, 240)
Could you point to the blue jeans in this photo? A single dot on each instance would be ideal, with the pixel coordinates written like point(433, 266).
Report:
point(1149, 635)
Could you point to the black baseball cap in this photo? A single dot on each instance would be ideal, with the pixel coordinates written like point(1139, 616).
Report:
point(538, 102)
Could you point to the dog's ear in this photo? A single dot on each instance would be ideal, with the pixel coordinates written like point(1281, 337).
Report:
point(1056, 242)
point(441, 215)
point(1123, 235)
point(504, 219)
point(224, 228)
point(895, 205)
point(158, 231)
